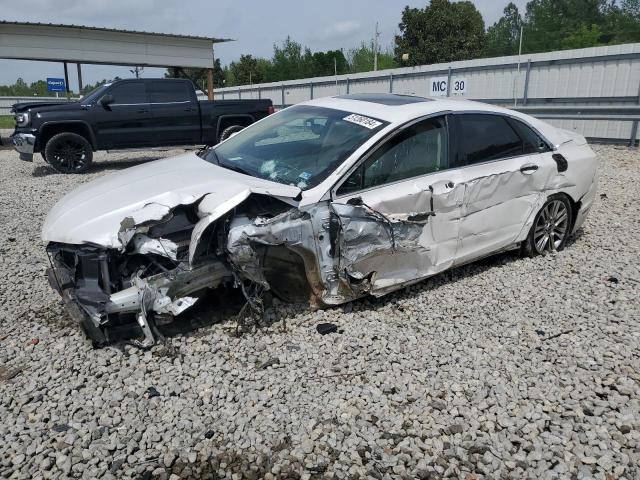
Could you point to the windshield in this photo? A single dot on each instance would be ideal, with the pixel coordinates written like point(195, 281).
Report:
point(94, 94)
point(298, 146)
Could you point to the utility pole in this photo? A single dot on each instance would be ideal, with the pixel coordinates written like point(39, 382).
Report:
point(137, 71)
point(515, 98)
point(375, 48)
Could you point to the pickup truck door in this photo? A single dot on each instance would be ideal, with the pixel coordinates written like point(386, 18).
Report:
point(126, 122)
point(175, 112)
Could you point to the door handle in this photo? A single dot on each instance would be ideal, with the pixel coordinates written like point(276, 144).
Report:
point(143, 110)
point(449, 184)
point(528, 169)
point(188, 109)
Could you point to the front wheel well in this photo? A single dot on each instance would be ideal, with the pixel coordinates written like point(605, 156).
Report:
point(49, 131)
point(575, 206)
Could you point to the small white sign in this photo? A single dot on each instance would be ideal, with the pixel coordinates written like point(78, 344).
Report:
point(458, 85)
point(363, 121)
point(439, 86)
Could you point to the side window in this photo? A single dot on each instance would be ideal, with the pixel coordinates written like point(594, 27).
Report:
point(484, 137)
point(129, 93)
point(168, 91)
point(418, 150)
point(533, 143)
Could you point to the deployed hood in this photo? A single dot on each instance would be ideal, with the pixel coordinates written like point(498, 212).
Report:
point(98, 211)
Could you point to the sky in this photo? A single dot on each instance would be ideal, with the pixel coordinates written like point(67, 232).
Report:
point(256, 25)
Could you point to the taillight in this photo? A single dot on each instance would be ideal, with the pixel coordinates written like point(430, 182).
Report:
point(270, 110)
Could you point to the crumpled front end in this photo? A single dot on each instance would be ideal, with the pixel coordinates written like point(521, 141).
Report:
point(112, 292)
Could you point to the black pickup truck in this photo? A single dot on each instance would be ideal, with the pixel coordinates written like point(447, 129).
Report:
point(134, 113)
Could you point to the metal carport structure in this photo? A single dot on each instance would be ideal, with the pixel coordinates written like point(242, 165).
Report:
point(107, 46)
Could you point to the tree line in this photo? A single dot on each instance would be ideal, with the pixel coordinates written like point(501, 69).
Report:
point(443, 31)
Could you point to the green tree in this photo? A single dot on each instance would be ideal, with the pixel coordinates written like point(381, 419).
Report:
point(287, 62)
point(248, 70)
point(503, 37)
point(39, 88)
point(361, 59)
point(584, 36)
point(550, 23)
point(327, 63)
point(441, 32)
point(624, 20)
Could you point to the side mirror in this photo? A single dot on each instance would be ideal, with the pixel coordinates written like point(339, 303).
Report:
point(106, 100)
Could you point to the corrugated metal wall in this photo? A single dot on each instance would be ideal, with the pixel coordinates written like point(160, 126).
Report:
point(590, 76)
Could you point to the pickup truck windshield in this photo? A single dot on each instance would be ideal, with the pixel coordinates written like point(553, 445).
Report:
point(94, 94)
point(298, 146)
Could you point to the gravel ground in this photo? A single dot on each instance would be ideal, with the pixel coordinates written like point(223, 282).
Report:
point(507, 368)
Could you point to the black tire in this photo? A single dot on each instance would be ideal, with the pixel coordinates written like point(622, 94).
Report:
point(227, 132)
point(551, 227)
point(44, 157)
point(69, 153)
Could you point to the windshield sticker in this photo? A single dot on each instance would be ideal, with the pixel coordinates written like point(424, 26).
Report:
point(305, 176)
point(363, 121)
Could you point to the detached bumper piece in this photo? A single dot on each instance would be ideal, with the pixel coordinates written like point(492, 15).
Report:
point(24, 143)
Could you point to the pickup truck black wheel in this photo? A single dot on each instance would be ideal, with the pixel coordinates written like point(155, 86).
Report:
point(69, 153)
point(227, 132)
point(44, 157)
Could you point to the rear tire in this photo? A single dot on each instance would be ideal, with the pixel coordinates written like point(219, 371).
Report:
point(69, 153)
point(44, 157)
point(551, 227)
point(227, 132)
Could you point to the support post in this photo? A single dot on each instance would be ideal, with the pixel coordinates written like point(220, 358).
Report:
point(348, 85)
point(282, 96)
point(525, 94)
point(66, 81)
point(634, 125)
point(79, 79)
point(449, 82)
point(311, 90)
point(391, 83)
point(210, 83)
point(259, 93)
point(239, 94)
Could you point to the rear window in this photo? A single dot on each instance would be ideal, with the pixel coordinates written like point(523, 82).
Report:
point(533, 143)
point(167, 92)
point(485, 137)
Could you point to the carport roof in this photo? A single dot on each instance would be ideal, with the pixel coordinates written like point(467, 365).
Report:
point(51, 42)
point(116, 30)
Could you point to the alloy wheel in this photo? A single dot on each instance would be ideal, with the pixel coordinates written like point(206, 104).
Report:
point(551, 226)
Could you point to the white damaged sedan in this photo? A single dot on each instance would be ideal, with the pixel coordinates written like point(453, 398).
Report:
point(321, 203)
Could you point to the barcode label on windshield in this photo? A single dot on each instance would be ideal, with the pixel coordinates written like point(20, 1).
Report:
point(363, 121)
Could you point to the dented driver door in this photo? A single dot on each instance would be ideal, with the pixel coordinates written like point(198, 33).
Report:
point(396, 216)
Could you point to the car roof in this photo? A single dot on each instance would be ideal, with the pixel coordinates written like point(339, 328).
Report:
point(399, 109)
